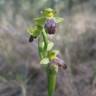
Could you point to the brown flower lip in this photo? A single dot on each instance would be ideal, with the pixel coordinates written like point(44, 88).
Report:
point(50, 26)
point(31, 38)
point(58, 61)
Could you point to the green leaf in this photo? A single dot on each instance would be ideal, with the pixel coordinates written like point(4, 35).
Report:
point(44, 61)
point(58, 19)
point(50, 46)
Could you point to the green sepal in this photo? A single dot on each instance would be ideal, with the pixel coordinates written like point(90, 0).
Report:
point(44, 61)
point(40, 20)
point(33, 31)
point(30, 30)
point(58, 19)
point(52, 54)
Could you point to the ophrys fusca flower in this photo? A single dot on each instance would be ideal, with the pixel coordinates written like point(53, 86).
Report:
point(50, 26)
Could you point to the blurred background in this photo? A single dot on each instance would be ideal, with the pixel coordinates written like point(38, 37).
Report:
point(20, 71)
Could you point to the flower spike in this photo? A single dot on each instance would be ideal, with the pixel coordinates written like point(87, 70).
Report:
point(49, 58)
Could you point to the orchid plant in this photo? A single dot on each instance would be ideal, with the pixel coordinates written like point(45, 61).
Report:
point(45, 25)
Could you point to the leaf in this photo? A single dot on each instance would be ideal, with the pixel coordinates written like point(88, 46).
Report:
point(44, 61)
point(50, 46)
point(58, 19)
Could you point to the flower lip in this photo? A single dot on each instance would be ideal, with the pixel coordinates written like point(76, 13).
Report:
point(31, 38)
point(50, 26)
point(60, 62)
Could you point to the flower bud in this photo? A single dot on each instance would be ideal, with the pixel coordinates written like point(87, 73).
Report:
point(50, 26)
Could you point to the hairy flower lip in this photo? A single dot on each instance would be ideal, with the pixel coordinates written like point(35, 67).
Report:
point(50, 26)
point(58, 61)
